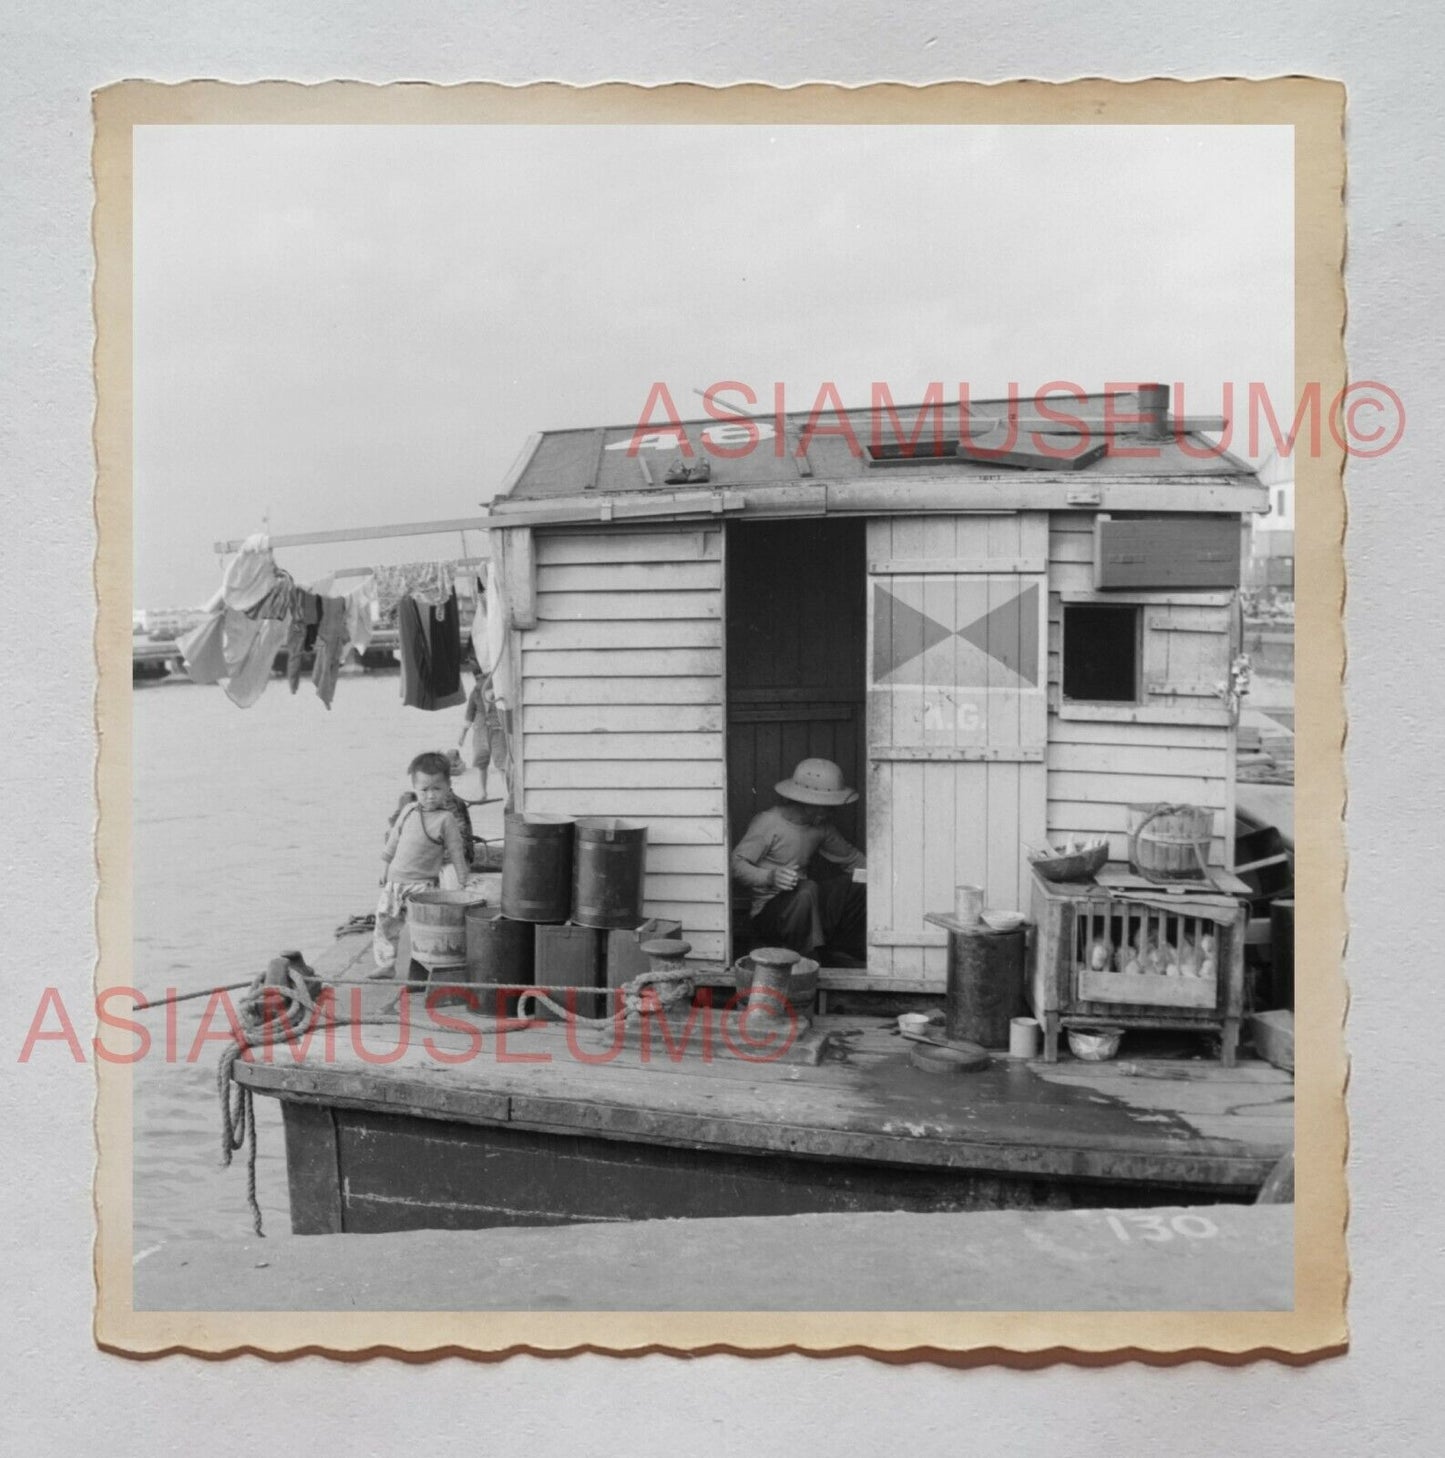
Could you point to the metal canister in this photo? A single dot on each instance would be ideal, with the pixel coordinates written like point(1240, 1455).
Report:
point(499, 952)
point(537, 867)
point(607, 871)
point(985, 984)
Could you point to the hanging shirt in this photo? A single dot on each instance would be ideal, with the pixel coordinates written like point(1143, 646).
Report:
point(301, 638)
point(430, 641)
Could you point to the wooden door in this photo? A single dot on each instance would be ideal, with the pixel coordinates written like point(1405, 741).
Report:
point(956, 721)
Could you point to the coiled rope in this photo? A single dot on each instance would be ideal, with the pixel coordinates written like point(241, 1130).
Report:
point(276, 1011)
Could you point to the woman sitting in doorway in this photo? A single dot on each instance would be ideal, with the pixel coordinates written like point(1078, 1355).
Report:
point(771, 863)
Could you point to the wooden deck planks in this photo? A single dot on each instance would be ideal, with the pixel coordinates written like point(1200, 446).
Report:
point(1203, 1129)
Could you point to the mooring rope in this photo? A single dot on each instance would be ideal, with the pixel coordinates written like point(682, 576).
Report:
point(270, 1012)
point(273, 1012)
point(679, 987)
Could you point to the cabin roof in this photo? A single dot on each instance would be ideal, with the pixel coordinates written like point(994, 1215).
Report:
point(596, 461)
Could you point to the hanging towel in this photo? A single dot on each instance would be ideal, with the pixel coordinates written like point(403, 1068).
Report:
point(359, 604)
point(249, 678)
point(234, 648)
point(428, 583)
point(204, 649)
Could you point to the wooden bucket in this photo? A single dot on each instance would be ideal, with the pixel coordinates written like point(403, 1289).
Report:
point(438, 921)
point(1170, 842)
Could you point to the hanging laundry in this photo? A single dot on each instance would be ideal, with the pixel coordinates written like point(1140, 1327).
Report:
point(330, 647)
point(232, 648)
point(360, 602)
point(277, 602)
point(301, 638)
point(248, 578)
point(430, 641)
point(427, 583)
point(249, 679)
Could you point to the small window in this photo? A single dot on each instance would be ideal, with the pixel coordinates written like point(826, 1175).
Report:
point(1101, 653)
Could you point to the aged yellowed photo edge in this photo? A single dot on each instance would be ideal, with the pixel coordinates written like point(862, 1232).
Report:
point(1316, 1326)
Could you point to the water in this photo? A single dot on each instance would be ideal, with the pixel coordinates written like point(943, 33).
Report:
point(254, 830)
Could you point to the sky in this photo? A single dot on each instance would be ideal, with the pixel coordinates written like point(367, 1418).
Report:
point(339, 326)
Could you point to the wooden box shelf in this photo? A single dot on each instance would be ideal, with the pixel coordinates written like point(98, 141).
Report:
point(1072, 920)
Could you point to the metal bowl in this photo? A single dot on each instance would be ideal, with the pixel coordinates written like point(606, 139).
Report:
point(1094, 1045)
point(1004, 921)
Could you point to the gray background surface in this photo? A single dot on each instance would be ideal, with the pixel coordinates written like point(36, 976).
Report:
point(62, 1394)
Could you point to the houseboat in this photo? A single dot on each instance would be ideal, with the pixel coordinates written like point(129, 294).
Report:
point(1009, 632)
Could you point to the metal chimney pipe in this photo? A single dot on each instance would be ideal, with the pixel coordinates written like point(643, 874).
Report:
point(1154, 408)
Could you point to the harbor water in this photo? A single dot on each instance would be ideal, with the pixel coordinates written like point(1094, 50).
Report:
point(255, 831)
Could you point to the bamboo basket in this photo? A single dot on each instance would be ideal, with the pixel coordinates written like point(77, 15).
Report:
point(1170, 842)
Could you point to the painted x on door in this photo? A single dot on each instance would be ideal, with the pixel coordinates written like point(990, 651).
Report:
point(957, 720)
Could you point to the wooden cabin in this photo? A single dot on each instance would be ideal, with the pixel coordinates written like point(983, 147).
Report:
point(1000, 640)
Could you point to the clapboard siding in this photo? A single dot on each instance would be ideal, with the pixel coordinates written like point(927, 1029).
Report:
point(659, 720)
point(560, 548)
point(1096, 770)
point(629, 774)
point(622, 706)
point(630, 633)
point(604, 745)
point(640, 606)
point(543, 661)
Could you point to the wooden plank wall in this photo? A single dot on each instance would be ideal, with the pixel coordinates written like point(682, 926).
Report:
point(936, 822)
point(1098, 766)
point(623, 707)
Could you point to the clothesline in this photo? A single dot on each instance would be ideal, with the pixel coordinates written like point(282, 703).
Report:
point(367, 571)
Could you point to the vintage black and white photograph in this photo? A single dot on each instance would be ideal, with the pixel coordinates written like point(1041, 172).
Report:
point(712, 717)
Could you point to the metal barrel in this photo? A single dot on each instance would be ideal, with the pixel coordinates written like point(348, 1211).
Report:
point(537, 867)
point(499, 950)
point(985, 985)
point(607, 871)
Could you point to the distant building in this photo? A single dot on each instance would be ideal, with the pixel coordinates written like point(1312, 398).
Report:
point(1271, 543)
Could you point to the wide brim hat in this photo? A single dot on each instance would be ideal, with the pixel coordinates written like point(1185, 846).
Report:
point(817, 782)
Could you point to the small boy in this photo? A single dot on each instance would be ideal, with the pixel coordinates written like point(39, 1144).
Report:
point(423, 837)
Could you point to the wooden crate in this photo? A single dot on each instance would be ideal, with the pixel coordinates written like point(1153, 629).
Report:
point(571, 956)
point(1066, 990)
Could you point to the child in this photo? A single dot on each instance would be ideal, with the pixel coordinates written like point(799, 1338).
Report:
point(489, 736)
point(424, 835)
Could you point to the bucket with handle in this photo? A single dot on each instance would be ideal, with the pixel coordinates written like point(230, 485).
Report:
point(1170, 842)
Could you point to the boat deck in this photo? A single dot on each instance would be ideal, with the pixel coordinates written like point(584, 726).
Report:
point(538, 1124)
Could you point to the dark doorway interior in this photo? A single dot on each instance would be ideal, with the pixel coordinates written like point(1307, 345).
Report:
point(796, 639)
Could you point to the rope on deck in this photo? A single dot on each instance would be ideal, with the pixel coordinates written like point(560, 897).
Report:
point(673, 988)
point(280, 1005)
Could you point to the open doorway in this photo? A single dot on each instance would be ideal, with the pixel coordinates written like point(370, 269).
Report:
point(795, 646)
